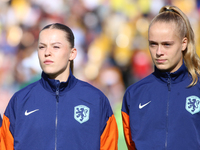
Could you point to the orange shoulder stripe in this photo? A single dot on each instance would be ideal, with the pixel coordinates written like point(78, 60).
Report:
point(127, 131)
point(109, 137)
point(7, 141)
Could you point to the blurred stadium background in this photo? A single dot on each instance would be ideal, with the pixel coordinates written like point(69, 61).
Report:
point(110, 35)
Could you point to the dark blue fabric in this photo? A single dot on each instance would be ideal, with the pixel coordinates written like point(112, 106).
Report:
point(53, 123)
point(164, 123)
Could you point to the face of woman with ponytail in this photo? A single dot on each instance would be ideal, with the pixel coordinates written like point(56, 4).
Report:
point(166, 46)
point(167, 40)
point(55, 51)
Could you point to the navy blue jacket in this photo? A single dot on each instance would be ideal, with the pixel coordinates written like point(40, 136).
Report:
point(160, 112)
point(49, 115)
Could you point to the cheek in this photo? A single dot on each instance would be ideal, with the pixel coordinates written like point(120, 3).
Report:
point(63, 57)
point(177, 54)
point(40, 55)
point(152, 53)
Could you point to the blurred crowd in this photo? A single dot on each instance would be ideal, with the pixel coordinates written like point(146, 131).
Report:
point(110, 36)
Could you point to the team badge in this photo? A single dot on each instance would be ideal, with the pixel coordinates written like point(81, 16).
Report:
point(193, 104)
point(81, 113)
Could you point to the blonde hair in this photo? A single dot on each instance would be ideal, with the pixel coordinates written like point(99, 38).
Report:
point(174, 14)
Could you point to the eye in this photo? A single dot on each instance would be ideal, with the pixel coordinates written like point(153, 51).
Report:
point(41, 47)
point(167, 44)
point(56, 47)
point(152, 44)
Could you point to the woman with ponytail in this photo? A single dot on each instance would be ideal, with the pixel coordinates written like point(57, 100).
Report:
point(58, 112)
point(162, 111)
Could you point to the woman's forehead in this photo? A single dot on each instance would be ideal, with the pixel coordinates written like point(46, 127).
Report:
point(163, 30)
point(52, 31)
point(47, 33)
point(170, 24)
point(53, 36)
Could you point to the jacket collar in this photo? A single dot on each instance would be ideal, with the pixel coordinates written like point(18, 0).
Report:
point(51, 84)
point(174, 77)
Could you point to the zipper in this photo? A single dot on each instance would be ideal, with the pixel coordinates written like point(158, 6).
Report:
point(167, 111)
point(56, 120)
point(169, 83)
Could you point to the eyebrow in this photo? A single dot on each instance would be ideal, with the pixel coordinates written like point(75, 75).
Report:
point(51, 43)
point(161, 41)
point(152, 42)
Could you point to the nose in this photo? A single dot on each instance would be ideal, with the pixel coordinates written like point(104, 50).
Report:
point(159, 51)
point(47, 52)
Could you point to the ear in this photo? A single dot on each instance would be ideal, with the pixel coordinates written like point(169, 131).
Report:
point(73, 54)
point(184, 43)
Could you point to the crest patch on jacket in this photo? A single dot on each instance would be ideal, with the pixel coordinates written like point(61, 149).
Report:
point(81, 113)
point(192, 104)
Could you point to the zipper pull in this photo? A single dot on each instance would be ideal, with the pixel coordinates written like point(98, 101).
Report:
point(169, 83)
point(57, 91)
point(57, 95)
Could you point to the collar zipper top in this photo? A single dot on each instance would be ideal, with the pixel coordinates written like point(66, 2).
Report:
point(56, 120)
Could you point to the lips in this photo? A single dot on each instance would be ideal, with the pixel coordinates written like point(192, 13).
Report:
point(48, 62)
point(160, 60)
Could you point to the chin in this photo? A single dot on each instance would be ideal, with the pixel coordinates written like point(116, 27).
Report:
point(49, 72)
point(48, 69)
point(163, 68)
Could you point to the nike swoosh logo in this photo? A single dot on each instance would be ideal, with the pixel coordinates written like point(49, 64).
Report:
point(141, 106)
point(30, 112)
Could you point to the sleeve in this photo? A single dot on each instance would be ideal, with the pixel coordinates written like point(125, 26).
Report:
point(7, 128)
point(109, 136)
point(126, 123)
